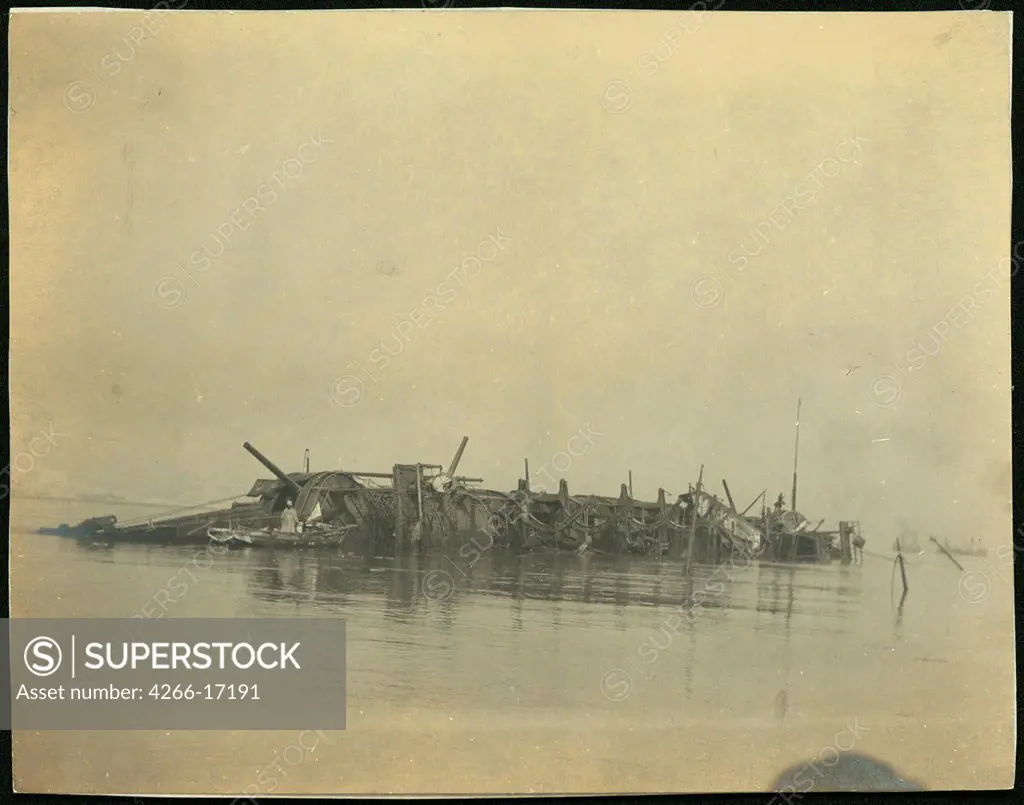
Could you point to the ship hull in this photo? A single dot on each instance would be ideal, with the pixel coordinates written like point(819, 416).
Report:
point(190, 530)
point(418, 513)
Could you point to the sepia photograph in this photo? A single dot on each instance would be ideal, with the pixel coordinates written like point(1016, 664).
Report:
point(502, 402)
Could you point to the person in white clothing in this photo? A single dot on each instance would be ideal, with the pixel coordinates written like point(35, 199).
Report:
point(289, 519)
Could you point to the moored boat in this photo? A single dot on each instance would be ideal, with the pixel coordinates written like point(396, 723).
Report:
point(268, 538)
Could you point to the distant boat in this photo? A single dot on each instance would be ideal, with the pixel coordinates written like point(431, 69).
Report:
point(974, 549)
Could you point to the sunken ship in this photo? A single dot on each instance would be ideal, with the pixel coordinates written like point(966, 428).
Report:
point(429, 507)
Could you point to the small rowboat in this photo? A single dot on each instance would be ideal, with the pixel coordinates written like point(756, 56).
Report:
point(264, 538)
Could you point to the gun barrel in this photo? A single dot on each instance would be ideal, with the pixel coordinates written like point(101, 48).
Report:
point(728, 494)
point(458, 457)
point(270, 465)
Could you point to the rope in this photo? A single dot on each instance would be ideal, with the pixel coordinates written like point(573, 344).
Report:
point(890, 557)
point(172, 512)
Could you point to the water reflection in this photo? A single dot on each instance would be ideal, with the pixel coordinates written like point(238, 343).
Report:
point(329, 583)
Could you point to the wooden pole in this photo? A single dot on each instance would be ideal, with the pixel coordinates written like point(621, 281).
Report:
point(631, 483)
point(563, 504)
point(903, 571)
point(399, 511)
point(796, 455)
point(941, 548)
point(525, 531)
point(764, 524)
point(663, 516)
point(526, 463)
point(693, 522)
point(728, 495)
point(759, 497)
point(418, 528)
point(419, 491)
point(845, 555)
point(624, 513)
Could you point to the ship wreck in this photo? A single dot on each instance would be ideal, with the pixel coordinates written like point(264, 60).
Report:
point(429, 507)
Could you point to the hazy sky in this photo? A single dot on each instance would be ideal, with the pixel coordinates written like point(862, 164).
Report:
point(623, 161)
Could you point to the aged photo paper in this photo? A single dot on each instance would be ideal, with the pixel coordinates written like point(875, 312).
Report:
point(634, 386)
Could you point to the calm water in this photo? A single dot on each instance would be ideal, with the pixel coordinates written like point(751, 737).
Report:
point(558, 673)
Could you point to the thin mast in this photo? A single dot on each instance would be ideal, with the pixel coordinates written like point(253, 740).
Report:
point(796, 455)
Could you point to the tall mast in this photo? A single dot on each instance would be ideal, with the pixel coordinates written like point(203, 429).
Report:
point(796, 455)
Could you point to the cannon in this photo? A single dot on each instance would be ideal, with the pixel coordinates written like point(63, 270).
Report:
point(270, 465)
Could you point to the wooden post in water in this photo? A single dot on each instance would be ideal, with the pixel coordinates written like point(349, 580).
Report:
point(693, 523)
point(563, 503)
point(941, 548)
point(766, 526)
point(419, 501)
point(663, 539)
point(419, 491)
point(399, 511)
point(625, 512)
point(845, 553)
point(525, 532)
point(903, 572)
